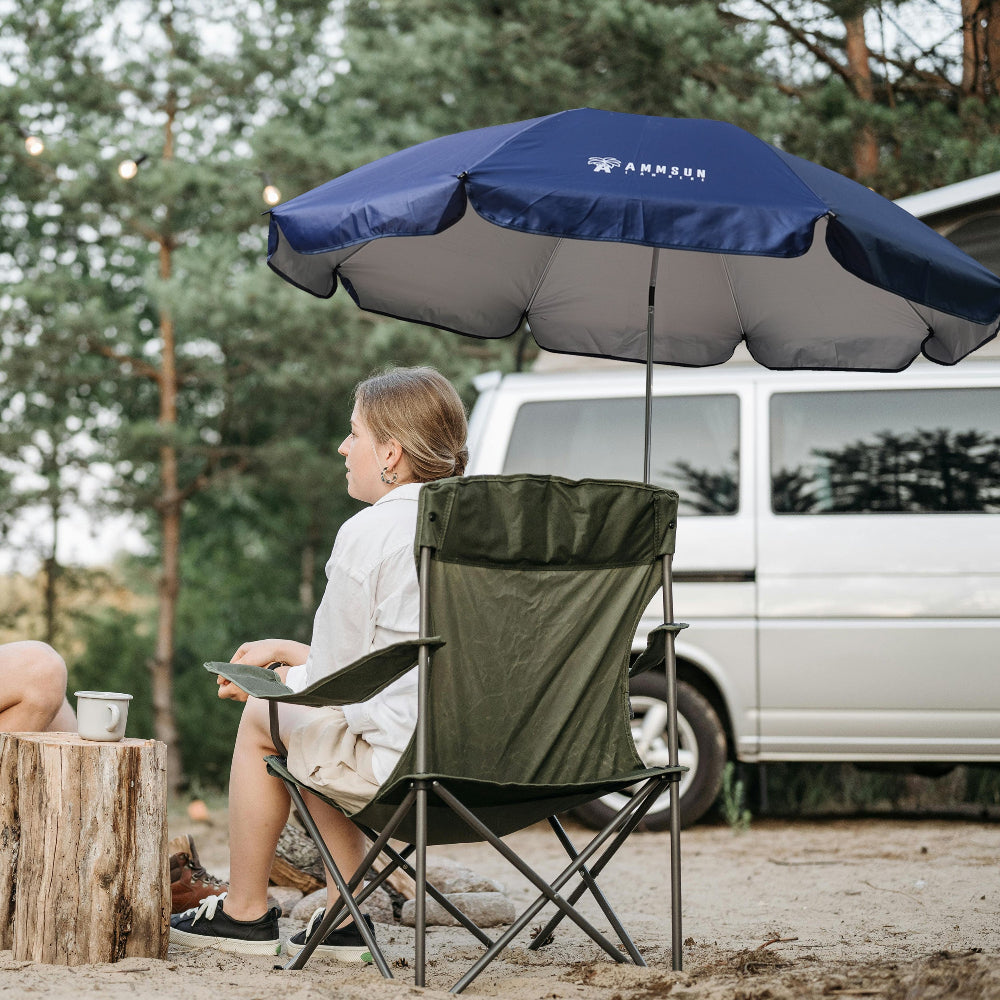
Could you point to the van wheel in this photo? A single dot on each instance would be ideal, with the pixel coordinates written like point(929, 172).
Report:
point(701, 746)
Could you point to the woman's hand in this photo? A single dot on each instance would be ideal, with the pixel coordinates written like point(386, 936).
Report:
point(227, 689)
point(262, 653)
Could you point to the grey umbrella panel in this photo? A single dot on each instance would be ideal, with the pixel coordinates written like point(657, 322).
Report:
point(591, 298)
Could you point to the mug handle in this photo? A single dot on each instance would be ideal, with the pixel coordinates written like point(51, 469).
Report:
point(116, 714)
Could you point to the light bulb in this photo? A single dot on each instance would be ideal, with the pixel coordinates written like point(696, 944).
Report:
point(271, 194)
point(127, 169)
point(34, 145)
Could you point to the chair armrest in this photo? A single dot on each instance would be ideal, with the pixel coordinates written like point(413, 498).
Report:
point(260, 682)
point(656, 648)
point(358, 681)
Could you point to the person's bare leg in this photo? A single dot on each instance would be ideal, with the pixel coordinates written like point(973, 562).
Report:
point(346, 842)
point(258, 810)
point(33, 689)
point(65, 720)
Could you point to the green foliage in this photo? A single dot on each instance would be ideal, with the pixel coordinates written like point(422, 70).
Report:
point(733, 800)
point(811, 789)
point(117, 648)
point(417, 71)
point(982, 785)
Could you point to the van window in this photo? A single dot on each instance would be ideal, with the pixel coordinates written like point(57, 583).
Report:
point(695, 446)
point(888, 451)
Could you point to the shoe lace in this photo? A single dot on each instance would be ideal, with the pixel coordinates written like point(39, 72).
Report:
point(198, 874)
point(315, 919)
point(206, 908)
point(189, 859)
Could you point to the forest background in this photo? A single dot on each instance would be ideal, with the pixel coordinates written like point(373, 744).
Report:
point(142, 338)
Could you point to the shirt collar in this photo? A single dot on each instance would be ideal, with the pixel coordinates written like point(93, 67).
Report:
point(407, 491)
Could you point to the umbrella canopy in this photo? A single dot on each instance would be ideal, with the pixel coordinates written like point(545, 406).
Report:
point(612, 232)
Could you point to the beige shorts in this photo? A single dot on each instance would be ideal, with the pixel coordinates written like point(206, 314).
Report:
point(324, 754)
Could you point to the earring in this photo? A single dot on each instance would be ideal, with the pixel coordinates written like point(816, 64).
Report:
point(392, 481)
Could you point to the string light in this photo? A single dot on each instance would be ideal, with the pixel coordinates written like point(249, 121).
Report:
point(270, 194)
point(127, 169)
point(32, 143)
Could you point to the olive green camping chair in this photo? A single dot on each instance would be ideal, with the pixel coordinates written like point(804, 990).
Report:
point(531, 589)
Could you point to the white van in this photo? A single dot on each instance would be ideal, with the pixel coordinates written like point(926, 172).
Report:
point(838, 552)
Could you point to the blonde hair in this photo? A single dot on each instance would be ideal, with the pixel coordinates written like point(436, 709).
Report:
point(420, 409)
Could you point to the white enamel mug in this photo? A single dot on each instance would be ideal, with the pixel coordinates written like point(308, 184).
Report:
point(101, 715)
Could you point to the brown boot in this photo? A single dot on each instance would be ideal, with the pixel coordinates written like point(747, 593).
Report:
point(189, 882)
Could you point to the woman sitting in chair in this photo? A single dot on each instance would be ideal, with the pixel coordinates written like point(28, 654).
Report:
point(408, 427)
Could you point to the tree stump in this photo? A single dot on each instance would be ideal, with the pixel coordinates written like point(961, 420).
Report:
point(83, 849)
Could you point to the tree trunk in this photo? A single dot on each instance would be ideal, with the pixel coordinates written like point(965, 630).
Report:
point(859, 63)
point(991, 45)
point(51, 571)
point(83, 849)
point(981, 48)
point(169, 510)
point(971, 55)
point(51, 562)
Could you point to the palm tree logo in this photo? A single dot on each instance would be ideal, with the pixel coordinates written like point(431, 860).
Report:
point(603, 164)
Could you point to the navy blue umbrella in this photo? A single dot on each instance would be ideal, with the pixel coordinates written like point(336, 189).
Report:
point(575, 216)
point(642, 239)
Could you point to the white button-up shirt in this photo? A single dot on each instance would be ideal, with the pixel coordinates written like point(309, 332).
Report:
point(371, 600)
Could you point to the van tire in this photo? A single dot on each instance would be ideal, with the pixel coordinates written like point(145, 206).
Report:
point(697, 723)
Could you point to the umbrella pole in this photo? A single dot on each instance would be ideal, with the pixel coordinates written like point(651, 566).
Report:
point(646, 477)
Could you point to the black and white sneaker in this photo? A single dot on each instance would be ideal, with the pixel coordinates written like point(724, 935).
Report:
point(209, 926)
point(344, 944)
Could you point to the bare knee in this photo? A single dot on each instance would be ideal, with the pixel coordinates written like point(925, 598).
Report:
point(45, 662)
point(32, 685)
point(47, 672)
point(255, 726)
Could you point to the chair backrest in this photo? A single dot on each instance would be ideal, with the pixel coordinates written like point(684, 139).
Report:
point(537, 585)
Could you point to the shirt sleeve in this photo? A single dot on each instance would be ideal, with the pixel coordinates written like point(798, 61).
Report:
point(343, 627)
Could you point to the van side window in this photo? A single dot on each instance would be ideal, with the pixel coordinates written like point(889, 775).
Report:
point(886, 451)
point(695, 448)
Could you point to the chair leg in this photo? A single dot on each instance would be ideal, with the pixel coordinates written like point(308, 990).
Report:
point(676, 937)
point(627, 819)
point(399, 861)
point(588, 882)
point(549, 891)
point(345, 895)
point(420, 901)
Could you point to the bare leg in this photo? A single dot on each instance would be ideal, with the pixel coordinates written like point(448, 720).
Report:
point(33, 689)
point(65, 720)
point(258, 810)
point(346, 842)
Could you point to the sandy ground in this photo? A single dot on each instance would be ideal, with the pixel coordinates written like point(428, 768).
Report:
point(839, 908)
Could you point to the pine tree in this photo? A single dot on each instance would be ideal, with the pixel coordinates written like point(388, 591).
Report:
point(900, 96)
point(140, 284)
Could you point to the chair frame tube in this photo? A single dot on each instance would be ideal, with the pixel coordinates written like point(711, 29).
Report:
point(589, 882)
point(670, 669)
point(549, 891)
point(423, 687)
point(346, 897)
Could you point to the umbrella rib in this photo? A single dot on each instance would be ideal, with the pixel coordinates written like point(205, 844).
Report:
point(542, 276)
point(732, 292)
